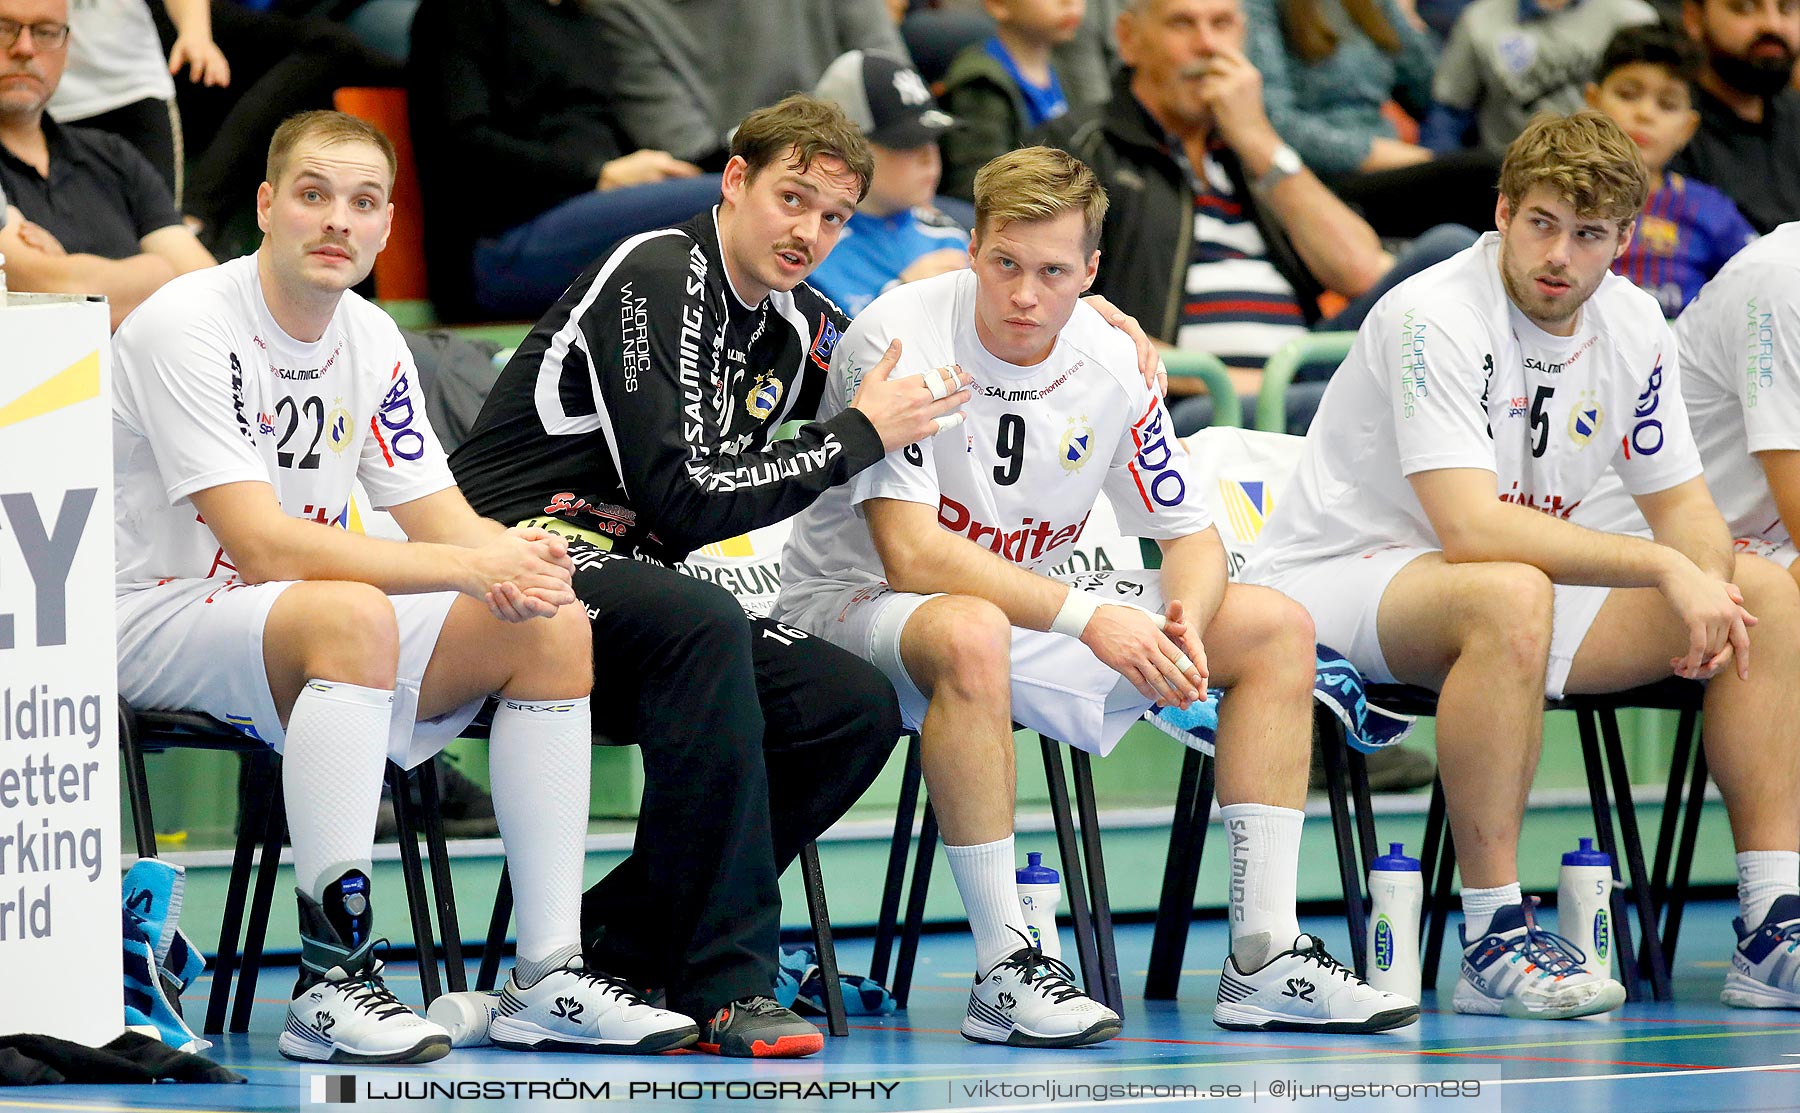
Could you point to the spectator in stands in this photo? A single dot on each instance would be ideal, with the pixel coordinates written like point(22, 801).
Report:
point(1086, 62)
point(1221, 239)
point(109, 221)
point(118, 79)
point(1508, 60)
point(684, 72)
point(1688, 229)
point(896, 235)
point(1004, 88)
point(525, 175)
point(1749, 139)
point(1329, 67)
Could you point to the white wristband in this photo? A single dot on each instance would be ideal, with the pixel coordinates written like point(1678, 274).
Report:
point(1078, 607)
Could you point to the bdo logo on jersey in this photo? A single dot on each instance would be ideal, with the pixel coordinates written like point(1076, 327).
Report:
point(337, 428)
point(765, 394)
point(1077, 444)
point(1584, 419)
point(1159, 482)
point(1646, 437)
point(824, 343)
point(397, 417)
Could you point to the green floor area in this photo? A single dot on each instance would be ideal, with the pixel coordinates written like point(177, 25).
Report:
point(194, 796)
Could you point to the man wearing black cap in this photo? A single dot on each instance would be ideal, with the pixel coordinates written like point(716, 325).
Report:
point(896, 235)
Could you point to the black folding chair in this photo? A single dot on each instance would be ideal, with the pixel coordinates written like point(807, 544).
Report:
point(142, 732)
point(1084, 875)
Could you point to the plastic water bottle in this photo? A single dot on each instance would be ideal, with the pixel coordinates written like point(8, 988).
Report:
point(1040, 891)
point(1397, 893)
point(465, 1016)
point(2, 278)
point(1584, 905)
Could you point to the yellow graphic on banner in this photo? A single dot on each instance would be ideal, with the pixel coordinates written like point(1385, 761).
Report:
point(729, 549)
point(77, 382)
point(1247, 506)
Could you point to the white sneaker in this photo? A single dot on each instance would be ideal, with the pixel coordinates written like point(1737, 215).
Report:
point(1306, 990)
point(1027, 1000)
point(572, 1010)
point(1520, 970)
point(1765, 968)
point(355, 1019)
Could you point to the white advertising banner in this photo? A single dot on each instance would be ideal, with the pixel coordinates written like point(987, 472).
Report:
point(60, 966)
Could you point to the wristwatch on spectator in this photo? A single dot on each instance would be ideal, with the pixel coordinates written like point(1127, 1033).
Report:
point(1284, 164)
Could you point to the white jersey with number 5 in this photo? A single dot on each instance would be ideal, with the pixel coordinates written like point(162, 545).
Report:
point(210, 390)
point(1447, 373)
point(1041, 444)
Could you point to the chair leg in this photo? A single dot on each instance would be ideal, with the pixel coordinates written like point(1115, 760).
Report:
point(137, 782)
point(414, 873)
point(1439, 865)
point(231, 923)
point(1337, 776)
point(1603, 832)
point(1181, 875)
point(889, 916)
point(1680, 758)
point(1356, 763)
point(1684, 857)
point(274, 833)
point(1088, 812)
point(443, 892)
point(915, 906)
point(496, 933)
point(822, 941)
point(1634, 858)
point(1086, 950)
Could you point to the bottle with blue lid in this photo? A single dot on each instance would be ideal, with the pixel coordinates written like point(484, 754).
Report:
point(1584, 905)
point(1396, 895)
point(1040, 891)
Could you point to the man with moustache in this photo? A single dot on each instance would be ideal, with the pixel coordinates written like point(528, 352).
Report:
point(1748, 144)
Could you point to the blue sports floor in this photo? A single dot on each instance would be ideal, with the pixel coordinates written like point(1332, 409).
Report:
point(1693, 1054)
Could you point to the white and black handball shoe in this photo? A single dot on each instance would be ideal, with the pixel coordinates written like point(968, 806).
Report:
point(1304, 989)
point(342, 1012)
point(570, 1008)
point(1029, 1000)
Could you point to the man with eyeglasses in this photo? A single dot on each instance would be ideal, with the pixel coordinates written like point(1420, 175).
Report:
point(101, 220)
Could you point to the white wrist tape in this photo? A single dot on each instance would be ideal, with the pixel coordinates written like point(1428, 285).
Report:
point(1078, 607)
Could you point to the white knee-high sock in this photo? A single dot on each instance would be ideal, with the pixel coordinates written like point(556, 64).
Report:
point(331, 772)
point(1764, 875)
point(1479, 906)
point(1264, 881)
point(539, 768)
point(985, 876)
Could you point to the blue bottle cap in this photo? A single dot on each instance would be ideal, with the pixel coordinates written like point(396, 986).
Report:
point(1586, 855)
point(1396, 859)
point(1035, 872)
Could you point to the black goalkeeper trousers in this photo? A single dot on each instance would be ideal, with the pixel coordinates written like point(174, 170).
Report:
point(755, 738)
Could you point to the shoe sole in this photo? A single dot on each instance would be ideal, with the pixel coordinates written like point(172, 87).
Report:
point(1479, 1004)
point(428, 1050)
point(1099, 1032)
point(784, 1047)
point(1744, 992)
point(518, 1035)
point(1239, 1018)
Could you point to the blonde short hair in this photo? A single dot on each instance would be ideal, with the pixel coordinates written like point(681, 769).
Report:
point(1039, 183)
point(1586, 158)
point(329, 127)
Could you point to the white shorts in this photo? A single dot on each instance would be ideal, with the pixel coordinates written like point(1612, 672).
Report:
point(1780, 550)
point(197, 645)
point(1059, 688)
point(1344, 596)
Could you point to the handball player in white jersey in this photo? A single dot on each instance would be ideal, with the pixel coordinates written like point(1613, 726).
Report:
point(934, 564)
point(250, 398)
point(1428, 531)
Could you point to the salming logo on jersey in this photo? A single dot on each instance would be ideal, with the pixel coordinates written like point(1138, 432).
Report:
point(1021, 546)
point(1159, 482)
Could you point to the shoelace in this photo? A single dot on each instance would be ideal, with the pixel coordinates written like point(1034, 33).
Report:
point(760, 1006)
point(1318, 954)
point(1051, 976)
point(611, 987)
point(1550, 952)
point(368, 993)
